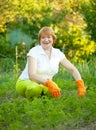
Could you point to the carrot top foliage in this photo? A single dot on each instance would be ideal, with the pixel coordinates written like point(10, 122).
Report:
point(66, 112)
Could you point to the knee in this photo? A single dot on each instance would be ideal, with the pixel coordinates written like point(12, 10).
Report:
point(33, 91)
point(20, 88)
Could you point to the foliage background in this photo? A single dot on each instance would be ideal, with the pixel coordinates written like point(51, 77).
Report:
point(74, 23)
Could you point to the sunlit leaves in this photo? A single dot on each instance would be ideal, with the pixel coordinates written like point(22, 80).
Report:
point(65, 17)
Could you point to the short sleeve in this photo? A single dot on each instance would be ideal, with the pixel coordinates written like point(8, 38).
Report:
point(32, 53)
point(61, 55)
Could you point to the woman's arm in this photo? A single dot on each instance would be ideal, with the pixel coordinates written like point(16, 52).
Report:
point(32, 71)
point(80, 83)
point(71, 68)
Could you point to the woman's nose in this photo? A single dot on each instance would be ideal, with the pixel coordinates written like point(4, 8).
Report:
point(46, 39)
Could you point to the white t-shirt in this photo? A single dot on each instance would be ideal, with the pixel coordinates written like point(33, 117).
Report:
point(46, 67)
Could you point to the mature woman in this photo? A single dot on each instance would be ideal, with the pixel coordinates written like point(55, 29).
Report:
point(42, 64)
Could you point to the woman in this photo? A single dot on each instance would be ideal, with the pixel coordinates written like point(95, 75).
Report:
point(42, 64)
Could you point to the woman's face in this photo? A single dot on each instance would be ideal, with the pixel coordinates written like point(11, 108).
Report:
point(46, 41)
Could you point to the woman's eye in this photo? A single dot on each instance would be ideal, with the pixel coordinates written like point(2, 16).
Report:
point(43, 37)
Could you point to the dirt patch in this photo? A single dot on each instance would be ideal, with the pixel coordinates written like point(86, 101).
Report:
point(91, 126)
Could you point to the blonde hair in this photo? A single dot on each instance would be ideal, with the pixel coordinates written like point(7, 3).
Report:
point(46, 31)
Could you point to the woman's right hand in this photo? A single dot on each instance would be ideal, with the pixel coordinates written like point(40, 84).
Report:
point(53, 88)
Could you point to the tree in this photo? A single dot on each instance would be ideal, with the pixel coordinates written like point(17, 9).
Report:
point(7, 13)
point(63, 16)
point(89, 12)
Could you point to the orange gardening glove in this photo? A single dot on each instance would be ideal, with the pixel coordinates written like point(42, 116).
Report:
point(81, 88)
point(53, 88)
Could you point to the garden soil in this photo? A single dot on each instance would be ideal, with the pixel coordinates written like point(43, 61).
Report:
point(91, 126)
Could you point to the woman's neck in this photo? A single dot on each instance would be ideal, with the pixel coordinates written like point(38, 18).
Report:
point(48, 52)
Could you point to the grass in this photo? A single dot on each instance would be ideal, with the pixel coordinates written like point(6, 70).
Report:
point(65, 113)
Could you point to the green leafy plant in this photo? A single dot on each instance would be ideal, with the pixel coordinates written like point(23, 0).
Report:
point(67, 112)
